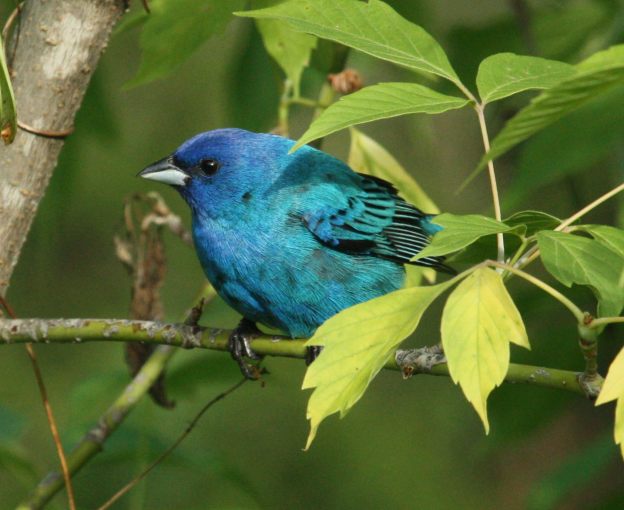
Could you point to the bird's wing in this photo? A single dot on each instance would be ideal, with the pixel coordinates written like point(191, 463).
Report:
point(370, 218)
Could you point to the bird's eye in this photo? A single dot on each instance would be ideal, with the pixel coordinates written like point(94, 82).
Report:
point(209, 166)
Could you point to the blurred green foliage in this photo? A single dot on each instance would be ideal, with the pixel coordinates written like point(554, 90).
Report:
point(406, 444)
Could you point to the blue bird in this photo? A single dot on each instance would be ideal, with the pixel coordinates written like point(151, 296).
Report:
point(288, 240)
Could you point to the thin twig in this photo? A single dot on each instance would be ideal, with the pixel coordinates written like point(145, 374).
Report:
point(575, 310)
point(92, 442)
point(49, 414)
point(500, 241)
point(589, 207)
point(45, 133)
point(533, 252)
point(171, 448)
point(603, 321)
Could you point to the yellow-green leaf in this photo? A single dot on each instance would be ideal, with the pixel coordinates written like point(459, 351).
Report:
point(357, 343)
point(290, 49)
point(593, 76)
point(505, 74)
point(618, 430)
point(612, 389)
point(478, 322)
point(613, 386)
point(459, 231)
point(372, 27)
point(376, 102)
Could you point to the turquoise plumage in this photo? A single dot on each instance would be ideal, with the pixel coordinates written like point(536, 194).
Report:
point(288, 240)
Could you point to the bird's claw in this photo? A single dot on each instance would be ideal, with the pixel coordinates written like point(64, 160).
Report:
point(418, 361)
point(239, 347)
point(312, 352)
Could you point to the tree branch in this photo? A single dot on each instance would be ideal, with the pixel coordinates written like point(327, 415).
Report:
point(188, 337)
point(60, 43)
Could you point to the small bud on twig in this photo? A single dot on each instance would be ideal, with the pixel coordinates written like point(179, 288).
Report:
point(346, 82)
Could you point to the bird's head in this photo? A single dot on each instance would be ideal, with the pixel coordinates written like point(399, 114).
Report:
point(218, 169)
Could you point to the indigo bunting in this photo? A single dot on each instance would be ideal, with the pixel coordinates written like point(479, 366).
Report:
point(288, 240)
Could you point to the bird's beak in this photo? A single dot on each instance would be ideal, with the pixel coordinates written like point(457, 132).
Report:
point(165, 171)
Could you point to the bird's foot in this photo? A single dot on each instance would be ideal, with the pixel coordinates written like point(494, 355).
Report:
point(240, 348)
point(312, 352)
point(418, 361)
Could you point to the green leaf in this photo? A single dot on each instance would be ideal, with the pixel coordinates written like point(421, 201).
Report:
point(357, 343)
point(377, 102)
point(8, 116)
point(593, 76)
point(371, 27)
point(174, 30)
point(478, 322)
point(611, 237)
point(612, 389)
point(461, 231)
point(574, 259)
point(534, 221)
point(505, 74)
point(369, 157)
point(291, 50)
point(574, 144)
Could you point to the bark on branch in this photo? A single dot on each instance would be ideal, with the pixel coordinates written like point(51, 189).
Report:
point(59, 45)
point(189, 337)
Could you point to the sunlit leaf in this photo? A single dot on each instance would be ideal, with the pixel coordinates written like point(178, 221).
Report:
point(461, 231)
point(8, 118)
point(575, 259)
point(377, 102)
point(357, 343)
point(618, 429)
point(534, 221)
point(478, 322)
point(371, 27)
point(612, 389)
point(505, 74)
point(613, 386)
point(593, 76)
point(175, 30)
point(290, 49)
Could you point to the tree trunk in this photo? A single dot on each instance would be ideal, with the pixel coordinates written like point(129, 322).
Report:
point(57, 50)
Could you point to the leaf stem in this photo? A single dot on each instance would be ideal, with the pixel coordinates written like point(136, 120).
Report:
point(591, 206)
point(603, 321)
point(283, 109)
point(575, 310)
point(533, 252)
point(500, 241)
